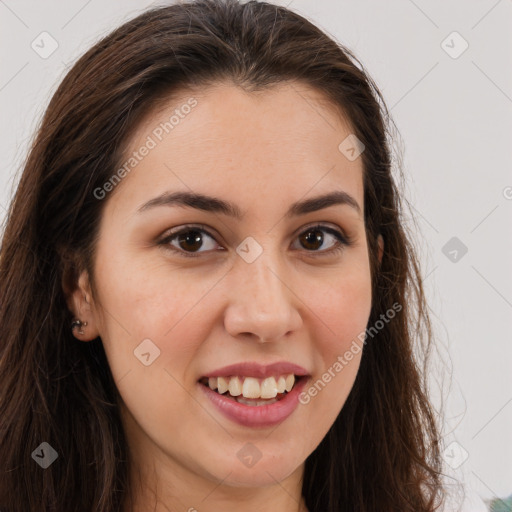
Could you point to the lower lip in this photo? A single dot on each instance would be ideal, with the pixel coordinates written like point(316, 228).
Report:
point(259, 415)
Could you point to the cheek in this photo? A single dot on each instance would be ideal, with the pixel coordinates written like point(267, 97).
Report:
point(341, 312)
point(148, 309)
point(343, 308)
point(151, 302)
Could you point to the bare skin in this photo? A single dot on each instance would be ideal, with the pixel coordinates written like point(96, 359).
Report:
point(298, 301)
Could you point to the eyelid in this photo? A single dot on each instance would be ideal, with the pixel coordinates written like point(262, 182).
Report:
point(188, 227)
point(331, 229)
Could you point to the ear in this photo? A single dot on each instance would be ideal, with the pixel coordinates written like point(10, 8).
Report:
point(77, 290)
point(380, 241)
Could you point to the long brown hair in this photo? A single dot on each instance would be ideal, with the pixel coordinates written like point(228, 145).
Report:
point(383, 451)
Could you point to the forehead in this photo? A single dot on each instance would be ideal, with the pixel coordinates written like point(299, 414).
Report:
point(276, 142)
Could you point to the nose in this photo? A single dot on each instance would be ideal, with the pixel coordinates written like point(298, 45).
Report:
point(262, 303)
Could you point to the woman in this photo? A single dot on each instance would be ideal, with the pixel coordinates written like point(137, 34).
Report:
point(209, 301)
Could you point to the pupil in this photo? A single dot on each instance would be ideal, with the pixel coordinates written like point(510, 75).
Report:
point(191, 238)
point(312, 239)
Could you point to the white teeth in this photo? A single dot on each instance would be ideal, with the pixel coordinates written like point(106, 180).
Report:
point(290, 381)
point(223, 385)
point(281, 385)
point(254, 403)
point(269, 388)
point(235, 386)
point(251, 387)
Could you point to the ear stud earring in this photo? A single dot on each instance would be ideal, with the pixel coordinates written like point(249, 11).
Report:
point(79, 324)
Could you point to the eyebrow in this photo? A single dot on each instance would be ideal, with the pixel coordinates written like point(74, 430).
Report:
point(216, 205)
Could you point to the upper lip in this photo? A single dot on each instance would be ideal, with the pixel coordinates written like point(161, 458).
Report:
point(251, 369)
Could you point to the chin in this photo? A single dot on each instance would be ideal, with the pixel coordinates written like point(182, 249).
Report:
point(263, 473)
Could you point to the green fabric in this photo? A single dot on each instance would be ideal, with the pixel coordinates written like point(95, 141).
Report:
point(504, 505)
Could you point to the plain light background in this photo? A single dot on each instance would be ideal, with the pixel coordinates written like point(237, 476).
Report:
point(453, 110)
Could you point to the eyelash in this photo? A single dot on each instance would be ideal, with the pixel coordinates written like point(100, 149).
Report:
point(343, 240)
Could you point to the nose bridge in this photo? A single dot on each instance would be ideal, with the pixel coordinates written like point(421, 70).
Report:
point(261, 302)
point(262, 281)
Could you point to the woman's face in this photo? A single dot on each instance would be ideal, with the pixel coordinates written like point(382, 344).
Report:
point(271, 285)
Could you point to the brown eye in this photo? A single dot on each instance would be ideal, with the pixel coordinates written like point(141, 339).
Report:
point(189, 240)
point(313, 239)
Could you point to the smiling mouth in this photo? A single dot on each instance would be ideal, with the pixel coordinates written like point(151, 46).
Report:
point(250, 390)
